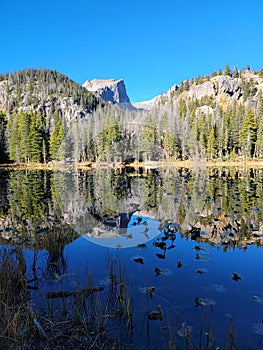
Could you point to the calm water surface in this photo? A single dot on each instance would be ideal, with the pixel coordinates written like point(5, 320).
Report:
point(194, 235)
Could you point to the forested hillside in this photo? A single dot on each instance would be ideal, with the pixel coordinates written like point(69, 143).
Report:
point(45, 116)
point(37, 108)
point(217, 116)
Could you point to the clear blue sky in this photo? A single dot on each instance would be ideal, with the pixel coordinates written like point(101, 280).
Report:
point(151, 44)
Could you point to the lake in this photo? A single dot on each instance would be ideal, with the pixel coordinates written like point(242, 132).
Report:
point(184, 244)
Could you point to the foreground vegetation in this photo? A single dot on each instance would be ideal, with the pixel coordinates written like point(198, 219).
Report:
point(77, 319)
point(92, 318)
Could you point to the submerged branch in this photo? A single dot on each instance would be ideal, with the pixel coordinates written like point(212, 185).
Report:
point(65, 294)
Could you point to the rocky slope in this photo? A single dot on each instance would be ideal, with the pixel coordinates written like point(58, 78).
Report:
point(110, 90)
point(149, 104)
point(45, 91)
point(222, 88)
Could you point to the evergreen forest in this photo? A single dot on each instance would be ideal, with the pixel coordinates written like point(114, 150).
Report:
point(47, 117)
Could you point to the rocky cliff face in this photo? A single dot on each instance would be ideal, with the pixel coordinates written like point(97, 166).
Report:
point(217, 86)
point(110, 90)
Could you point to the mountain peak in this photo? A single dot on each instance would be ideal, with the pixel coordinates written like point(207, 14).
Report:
point(110, 90)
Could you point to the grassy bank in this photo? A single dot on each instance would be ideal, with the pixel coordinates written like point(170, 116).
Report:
point(148, 165)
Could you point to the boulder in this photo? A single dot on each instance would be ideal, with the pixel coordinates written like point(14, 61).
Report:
point(229, 86)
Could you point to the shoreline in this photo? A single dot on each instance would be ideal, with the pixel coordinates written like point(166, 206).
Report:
point(147, 165)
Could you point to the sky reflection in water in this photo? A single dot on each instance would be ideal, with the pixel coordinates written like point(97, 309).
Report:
point(195, 285)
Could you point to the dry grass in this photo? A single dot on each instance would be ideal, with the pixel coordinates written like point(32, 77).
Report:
point(177, 164)
point(86, 320)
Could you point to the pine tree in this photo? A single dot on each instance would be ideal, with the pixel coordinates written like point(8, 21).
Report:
point(166, 137)
point(202, 131)
point(24, 121)
point(211, 145)
point(3, 140)
point(36, 139)
point(259, 142)
point(112, 137)
point(182, 108)
point(26, 137)
point(193, 141)
point(147, 139)
point(19, 126)
point(170, 145)
point(56, 138)
point(227, 141)
point(227, 70)
point(14, 151)
point(248, 134)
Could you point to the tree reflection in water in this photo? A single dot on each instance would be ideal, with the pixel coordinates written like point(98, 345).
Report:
point(45, 212)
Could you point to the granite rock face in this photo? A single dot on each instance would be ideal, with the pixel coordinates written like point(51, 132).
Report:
point(110, 90)
point(231, 87)
point(205, 89)
point(217, 87)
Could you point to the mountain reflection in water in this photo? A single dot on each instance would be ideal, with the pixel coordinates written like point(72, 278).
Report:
point(193, 229)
